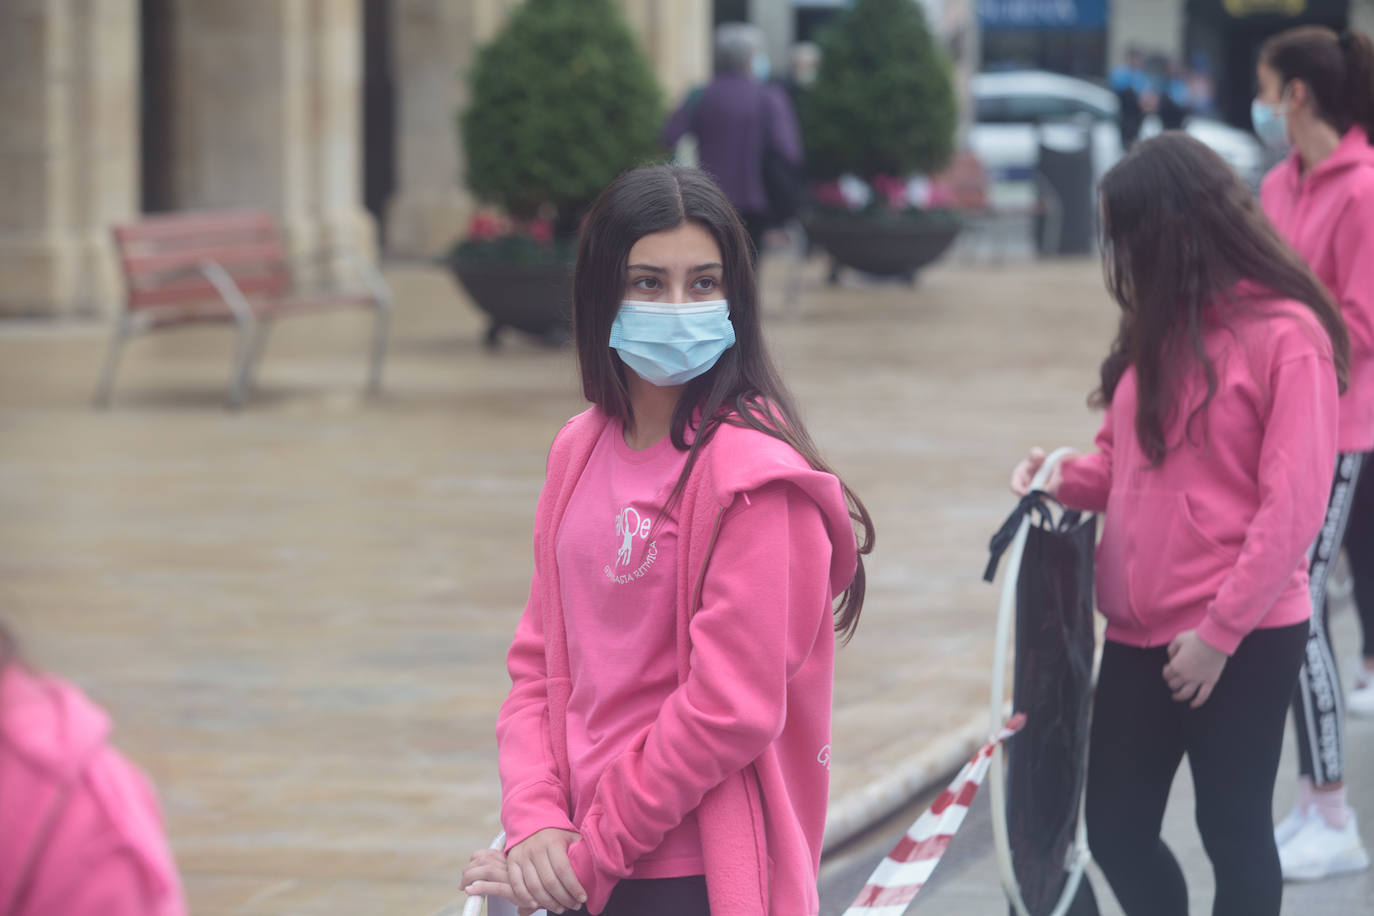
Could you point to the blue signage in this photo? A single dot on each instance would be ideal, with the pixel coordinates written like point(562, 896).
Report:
point(1042, 14)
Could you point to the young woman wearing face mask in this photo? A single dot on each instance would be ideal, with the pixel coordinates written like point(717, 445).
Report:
point(1213, 465)
point(1317, 96)
point(665, 744)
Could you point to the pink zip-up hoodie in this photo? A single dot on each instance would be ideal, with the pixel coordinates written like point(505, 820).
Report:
point(1215, 538)
point(744, 740)
point(80, 829)
point(1328, 218)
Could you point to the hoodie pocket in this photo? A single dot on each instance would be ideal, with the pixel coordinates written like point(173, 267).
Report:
point(1172, 564)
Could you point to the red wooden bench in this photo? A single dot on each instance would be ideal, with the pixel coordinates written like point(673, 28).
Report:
point(225, 267)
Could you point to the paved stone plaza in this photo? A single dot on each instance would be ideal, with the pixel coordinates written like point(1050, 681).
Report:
point(298, 613)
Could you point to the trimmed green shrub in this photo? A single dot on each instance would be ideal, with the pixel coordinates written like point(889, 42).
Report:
point(883, 102)
point(562, 102)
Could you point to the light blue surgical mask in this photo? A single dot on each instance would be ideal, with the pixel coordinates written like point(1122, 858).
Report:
point(762, 67)
point(672, 344)
point(1271, 124)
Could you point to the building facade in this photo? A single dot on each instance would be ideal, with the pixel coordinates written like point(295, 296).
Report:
point(339, 115)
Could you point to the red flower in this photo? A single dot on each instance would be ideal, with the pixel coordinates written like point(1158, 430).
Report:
point(541, 230)
point(892, 189)
point(487, 225)
point(830, 195)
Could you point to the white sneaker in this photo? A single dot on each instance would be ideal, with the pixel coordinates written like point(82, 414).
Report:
point(1319, 850)
point(1290, 825)
point(1361, 699)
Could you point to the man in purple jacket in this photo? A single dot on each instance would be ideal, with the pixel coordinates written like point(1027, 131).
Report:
point(739, 120)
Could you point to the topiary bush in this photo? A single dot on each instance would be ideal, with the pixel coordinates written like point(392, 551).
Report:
point(562, 102)
point(883, 103)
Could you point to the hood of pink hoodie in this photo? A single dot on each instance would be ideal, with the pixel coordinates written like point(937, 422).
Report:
point(743, 460)
point(49, 733)
point(1353, 152)
point(50, 723)
point(57, 767)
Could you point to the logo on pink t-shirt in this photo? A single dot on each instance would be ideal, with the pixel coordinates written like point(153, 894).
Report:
point(629, 524)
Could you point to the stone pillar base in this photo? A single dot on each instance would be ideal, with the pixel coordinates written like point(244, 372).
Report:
point(317, 245)
point(76, 276)
point(425, 223)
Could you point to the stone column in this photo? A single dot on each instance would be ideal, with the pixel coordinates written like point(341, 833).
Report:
point(436, 46)
point(266, 113)
point(1362, 16)
point(68, 151)
point(676, 38)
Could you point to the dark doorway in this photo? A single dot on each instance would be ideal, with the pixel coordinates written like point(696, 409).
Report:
point(157, 33)
point(1227, 45)
point(379, 112)
point(730, 11)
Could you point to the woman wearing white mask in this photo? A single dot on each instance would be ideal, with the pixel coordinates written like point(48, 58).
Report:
point(1317, 96)
point(665, 744)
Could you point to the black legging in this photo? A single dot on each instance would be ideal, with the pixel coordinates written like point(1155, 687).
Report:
point(1139, 737)
point(1359, 550)
point(1318, 702)
point(657, 897)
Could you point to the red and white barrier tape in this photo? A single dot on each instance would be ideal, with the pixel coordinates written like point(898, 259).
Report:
point(901, 875)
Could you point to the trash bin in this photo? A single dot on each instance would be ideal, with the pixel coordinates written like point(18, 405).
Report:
point(1067, 217)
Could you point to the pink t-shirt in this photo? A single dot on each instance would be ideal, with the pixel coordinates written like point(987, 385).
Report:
point(618, 573)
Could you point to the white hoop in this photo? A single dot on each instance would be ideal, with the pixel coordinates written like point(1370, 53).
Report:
point(1006, 616)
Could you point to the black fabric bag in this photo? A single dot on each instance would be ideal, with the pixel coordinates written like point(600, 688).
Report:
point(1052, 685)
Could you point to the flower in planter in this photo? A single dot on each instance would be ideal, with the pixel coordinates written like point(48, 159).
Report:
point(487, 225)
point(494, 236)
point(892, 191)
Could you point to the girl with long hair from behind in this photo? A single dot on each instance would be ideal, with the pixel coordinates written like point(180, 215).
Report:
point(1212, 468)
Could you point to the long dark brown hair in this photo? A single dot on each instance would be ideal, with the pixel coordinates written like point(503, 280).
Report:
point(743, 388)
point(1179, 231)
point(1338, 71)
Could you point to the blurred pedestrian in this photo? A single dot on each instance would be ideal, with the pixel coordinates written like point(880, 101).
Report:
point(1213, 464)
point(1202, 88)
point(746, 132)
point(805, 61)
point(1176, 102)
point(80, 829)
point(1317, 96)
point(665, 745)
point(1129, 81)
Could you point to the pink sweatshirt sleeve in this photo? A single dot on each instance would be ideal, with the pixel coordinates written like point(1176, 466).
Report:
point(764, 601)
point(532, 795)
point(1088, 478)
point(1353, 239)
point(1297, 461)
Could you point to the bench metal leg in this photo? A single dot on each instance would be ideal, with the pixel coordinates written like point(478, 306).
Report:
point(380, 334)
point(263, 331)
point(116, 349)
point(245, 345)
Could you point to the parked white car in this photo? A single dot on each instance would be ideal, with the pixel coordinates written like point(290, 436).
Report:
point(1010, 107)
point(1240, 148)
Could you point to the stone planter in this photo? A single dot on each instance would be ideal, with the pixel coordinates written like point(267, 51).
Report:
point(535, 299)
point(886, 246)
